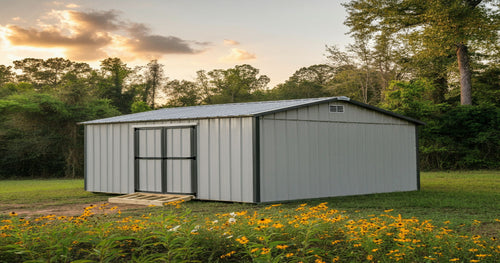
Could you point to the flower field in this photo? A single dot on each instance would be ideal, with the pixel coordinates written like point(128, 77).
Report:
point(298, 233)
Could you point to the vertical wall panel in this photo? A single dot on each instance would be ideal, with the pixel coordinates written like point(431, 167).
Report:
point(235, 153)
point(247, 154)
point(225, 158)
point(214, 147)
point(280, 179)
point(117, 165)
point(294, 179)
point(204, 159)
point(89, 158)
point(356, 152)
point(125, 154)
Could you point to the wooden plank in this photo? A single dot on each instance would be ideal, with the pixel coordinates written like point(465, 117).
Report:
point(149, 199)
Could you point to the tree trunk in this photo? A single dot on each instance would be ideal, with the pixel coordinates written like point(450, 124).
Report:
point(465, 75)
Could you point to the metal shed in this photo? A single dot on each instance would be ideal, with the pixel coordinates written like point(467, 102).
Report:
point(255, 152)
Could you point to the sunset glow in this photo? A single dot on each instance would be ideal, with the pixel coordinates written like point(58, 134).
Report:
point(185, 37)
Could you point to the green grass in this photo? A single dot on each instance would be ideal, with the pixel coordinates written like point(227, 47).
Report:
point(460, 197)
point(455, 217)
point(31, 194)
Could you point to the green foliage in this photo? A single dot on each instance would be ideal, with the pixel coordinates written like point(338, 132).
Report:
point(427, 38)
point(464, 137)
point(415, 226)
point(307, 82)
point(410, 98)
point(139, 106)
point(111, 84)
point(487, 83)
point(461, 137)
point(39, 136)
point(183, 93)
point(235, 84)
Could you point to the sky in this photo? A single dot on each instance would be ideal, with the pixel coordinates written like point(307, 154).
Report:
point(275, 36)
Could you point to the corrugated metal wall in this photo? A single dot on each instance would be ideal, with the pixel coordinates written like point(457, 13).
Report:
point(310, 152)
point(224, 152)
point(225, 159)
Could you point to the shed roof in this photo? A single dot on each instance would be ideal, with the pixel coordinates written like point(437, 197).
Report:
point(233, 110)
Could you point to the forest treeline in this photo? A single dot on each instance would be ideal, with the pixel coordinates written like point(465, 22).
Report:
point(430, 61)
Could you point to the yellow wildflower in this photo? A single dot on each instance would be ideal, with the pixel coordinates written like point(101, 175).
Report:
point(264, 221)
point(281, 246)
point(278, 225)
point(243, 240)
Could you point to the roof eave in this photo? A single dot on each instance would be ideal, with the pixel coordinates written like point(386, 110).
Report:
point(346, 99)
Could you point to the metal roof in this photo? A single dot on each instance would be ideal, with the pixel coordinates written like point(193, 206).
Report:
point(232, 110)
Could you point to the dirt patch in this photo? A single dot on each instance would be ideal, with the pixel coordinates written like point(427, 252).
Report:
point(69, 209)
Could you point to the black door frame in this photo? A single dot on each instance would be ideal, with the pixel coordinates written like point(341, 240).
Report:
point(164, 157)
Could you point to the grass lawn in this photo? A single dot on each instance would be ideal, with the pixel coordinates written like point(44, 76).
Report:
point(459, 197)
point(455, 217)
point(35, 194)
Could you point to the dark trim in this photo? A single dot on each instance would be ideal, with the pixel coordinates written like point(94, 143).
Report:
point(256, 159)
point(136, 161)
point(85, 160)
point(165, 127)
point(390, 113)
point(194, 162)
point(174, 193)
point(163, 162)
point(166, 158)
point(350, 122)
point(418, 158)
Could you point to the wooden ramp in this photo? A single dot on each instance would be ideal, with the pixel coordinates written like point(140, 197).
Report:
point(149, 199)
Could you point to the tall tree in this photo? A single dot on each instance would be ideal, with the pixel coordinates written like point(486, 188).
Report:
point(112, 84)
point(356, 74)
point(437, 28)
point(154, 80)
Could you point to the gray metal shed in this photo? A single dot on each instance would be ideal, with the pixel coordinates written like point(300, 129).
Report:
point(255, 152)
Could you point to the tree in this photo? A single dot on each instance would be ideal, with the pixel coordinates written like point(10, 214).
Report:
point(6, 74)
point(154, 80)
point(235, 84)
point(47, 74)
point(434, 28)
point(112, 84)
point(39, 135)
point(307, 82)
point(183, 93)
point(356, 75)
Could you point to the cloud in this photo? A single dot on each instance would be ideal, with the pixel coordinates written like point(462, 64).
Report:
point(16, 18)
point(238, 55)
point(230, 42)
point(72, 6)
point(94, 20)
point(141, 40)
point(96, 34)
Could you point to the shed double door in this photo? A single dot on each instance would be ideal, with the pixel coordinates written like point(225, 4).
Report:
point(165, 160)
